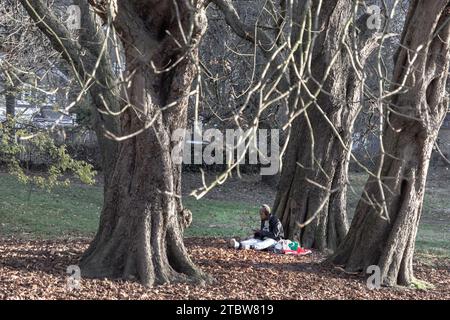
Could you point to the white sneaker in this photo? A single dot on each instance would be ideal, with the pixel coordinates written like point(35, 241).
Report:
point(233, 244)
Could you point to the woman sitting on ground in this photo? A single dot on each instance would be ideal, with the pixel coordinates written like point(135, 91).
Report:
point(270, 233)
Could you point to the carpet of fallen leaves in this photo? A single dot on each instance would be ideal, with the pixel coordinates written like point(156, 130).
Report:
point(37, 270)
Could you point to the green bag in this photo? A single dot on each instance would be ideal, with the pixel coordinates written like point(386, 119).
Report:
point(293, 245)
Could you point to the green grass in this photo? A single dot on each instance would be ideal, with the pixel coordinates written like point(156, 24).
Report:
point(221, 218)
point(433, 236)
point(74, 211)
point(38, 213)
point(433, 239)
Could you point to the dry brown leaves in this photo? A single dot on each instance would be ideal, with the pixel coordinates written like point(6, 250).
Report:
point(37, 270)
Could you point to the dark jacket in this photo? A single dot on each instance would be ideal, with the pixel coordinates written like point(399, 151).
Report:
point(275, 232)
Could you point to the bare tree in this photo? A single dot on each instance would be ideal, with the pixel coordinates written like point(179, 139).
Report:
point(384, 228)
point(323, 73)
point(92, 69)
point(311, 199)
point(22, 54)
point(140, 234)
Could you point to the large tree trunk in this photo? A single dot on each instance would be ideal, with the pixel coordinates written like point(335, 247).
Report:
point(383, 231)
point(141, 228)
point(325, 161)
point(299, 201)
point(311, 198)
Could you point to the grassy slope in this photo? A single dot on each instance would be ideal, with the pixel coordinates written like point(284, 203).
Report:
point(75, 211)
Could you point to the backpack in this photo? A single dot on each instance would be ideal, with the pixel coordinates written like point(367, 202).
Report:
point(290, 247)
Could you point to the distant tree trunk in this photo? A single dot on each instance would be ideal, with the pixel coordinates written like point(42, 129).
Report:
point(409, 136)
point(105, 89)
point(297, 199)
point(311, 198)
point(141, 228)
point(10, 101)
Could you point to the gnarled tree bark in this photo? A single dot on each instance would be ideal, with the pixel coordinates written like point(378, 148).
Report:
point(141, 228)
point(140, 235)
point(387, 239)
point(311, 198)
point(316, 151)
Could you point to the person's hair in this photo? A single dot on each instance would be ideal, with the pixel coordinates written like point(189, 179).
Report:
point(266, 208)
